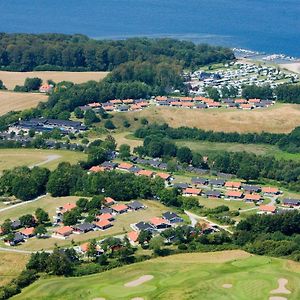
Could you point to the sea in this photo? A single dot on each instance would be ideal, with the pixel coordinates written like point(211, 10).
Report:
point(265, 26)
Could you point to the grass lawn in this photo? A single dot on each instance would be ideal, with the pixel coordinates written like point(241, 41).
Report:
point(184, 276)
point(19, 101)
point(232, 204)
point(11, 79)
point(121, 224)
point(11, 264)
point(10, 158)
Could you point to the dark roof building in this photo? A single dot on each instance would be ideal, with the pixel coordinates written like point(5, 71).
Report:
point(144, 226)
point(84, 227)
point(172, 217)
point(291, 202)
point(251, 188)
point(199, 180)
point(135, 205)
point(213, 194)
point(217, 182)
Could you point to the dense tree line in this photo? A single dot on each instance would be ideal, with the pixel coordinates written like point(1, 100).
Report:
point(288, 93)
point(27, 52)
point(288, 142)
point(276, 235)
point(261, 92)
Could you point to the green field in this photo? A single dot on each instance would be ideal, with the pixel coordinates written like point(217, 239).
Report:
point(10, 158)
point(184, 276)
point(48, 203)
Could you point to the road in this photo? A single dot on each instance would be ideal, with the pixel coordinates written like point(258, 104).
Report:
point(22, 203)
point(50, 158)
point(195, 218)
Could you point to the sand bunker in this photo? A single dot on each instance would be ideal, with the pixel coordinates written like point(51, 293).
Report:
point(139, 281)
point(137, 298)
point(277, 298)
point(99, 299)
point(227, 286)
point(281, 287)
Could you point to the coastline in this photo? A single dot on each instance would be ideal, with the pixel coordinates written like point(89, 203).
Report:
point(293, 67)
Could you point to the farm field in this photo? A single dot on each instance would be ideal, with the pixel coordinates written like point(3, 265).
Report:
point(7, 260)
point(234, 275)
point(11, 79)
point(48, 203)
point(10, 158)
point(10, 101)
point(281, 118)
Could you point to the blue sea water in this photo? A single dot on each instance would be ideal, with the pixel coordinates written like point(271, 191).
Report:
point(271, 26)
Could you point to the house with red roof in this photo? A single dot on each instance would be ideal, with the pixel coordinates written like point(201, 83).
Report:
point(270, 190)
point(105, 216)
point(146, 173)
point(160, 223)
point(191, 192)
point(109, 201)
point(83, 248)
point(234, 195)
point(46, 88)
point(252, 197)
point(96, 169)
point(63, 232)
point(267, 209)
point(233, 185)
point(120, 208)
point(28, 232)
point(67, 207)
point(133, 237)
point(124, 166)
point(103, 224)
point(165, 176)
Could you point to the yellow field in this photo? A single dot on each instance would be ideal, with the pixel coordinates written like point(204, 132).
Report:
point(281, 118)
point(11, 264)
point(19, 101)
point(11, 79)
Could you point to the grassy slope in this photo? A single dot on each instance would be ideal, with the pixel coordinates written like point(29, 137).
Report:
point(186, 276)
point(11, 79)
point(10, 158)
point(121, 224)
point(7, 260)
point(19, 101)
point(279, 118)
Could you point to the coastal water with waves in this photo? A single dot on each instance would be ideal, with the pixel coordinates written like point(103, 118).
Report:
point(270, 26)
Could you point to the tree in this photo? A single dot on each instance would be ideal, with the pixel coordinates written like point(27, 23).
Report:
point(156, 243)
point(124, 151)
point(92, 250)
point(90, 117)
point(109, 125)
point(95, 203)
point(6, 226)
point(184, 155)
point(42, 216)
point(2, 86)
point(213, 93)
point(144, 237)
point(71, 217)
point(27, 220)
point(32, 84)
point(58, 263)
point(40, 230)
point(78, 113)
point(82, 204)
point(248, 172)
point(97, 155)
point(126, 124)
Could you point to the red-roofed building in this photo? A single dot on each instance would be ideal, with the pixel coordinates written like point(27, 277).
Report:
point(116, 101)
point(252, 197)
point(270, 190)
point(160, 223)
point(246, 106)
point(85, 247)
point(128, 101)
point(105, 216)
point(191, 192)
point(254, 100)
point(27, 232)
point(124, 166)
point(187, 104)
point(120, 208)
point(46, 88)
point(240, 101)
point(234, 195)
point(63, 232)
point(147, 173)
point(103, 224)
point(94, 104)
point(97, 169)
point(267, 209)
point(164, 176)
point(133, 237)
point(213, 104)
point(161, 98)
point(186, 99)
point(67, 207)
point(109, 201)
point(233, 185)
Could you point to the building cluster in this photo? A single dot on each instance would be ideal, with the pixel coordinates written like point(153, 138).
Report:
point(41, 125)
point(118, 105)
point(237, 75)
point(201, 102)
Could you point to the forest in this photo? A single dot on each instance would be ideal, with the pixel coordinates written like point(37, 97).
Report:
point(41, 52)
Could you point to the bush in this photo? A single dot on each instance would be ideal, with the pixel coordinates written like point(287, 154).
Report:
point(109, 125)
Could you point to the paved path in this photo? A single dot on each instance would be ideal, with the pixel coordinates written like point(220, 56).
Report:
point(194, 220)
point(248, 209)
point(22, 203)
point(50, 158)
